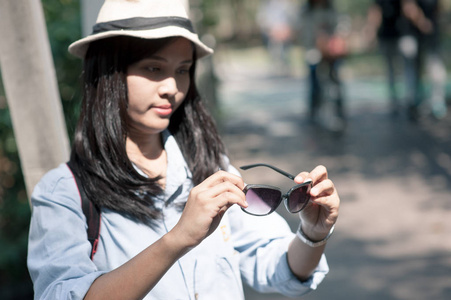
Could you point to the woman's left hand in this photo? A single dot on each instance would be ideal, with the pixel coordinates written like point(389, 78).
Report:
point(321, 213)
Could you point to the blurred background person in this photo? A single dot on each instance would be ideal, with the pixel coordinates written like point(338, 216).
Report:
point(276, 19)
point(324, 50)
point(408, 31)
point(424, 17)
point(384, 26)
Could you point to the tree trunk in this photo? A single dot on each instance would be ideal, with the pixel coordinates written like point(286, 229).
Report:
point(31, 89)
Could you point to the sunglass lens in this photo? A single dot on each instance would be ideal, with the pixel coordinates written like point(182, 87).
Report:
point(262, 201)
point(298, 198)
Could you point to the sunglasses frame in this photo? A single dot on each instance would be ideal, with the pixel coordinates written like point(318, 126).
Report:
point(284, 197)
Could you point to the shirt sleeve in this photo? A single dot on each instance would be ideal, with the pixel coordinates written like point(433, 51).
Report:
point(263, 244)
point(58, 247)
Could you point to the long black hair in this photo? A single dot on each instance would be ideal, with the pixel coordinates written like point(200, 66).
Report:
point(109, 177)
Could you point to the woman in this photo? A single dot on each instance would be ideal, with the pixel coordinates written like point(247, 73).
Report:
point(149, 154)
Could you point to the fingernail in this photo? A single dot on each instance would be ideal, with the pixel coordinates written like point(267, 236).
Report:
point(314, 191)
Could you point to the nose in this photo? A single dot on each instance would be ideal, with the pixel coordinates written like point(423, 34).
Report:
point(168, 87)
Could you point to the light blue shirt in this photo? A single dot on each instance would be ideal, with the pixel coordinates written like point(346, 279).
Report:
point(243, 248)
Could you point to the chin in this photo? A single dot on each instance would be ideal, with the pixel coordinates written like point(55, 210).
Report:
point(158, 128)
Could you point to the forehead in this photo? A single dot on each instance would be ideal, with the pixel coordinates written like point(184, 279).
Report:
point(169, 47)
point(178, 46)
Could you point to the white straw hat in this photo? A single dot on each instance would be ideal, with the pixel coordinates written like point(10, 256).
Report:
point(147, 19)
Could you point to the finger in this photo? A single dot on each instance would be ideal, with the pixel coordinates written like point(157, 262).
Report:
point(222, 187)
point(222, 176)
point(323, 188)
point(222, 202)
point(301, 177)
point(318, 174)
point(224, 193)
point(326, 196)
point(330, 204)
point(226, 200)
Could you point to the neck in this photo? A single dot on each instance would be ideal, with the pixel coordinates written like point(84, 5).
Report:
point(147, 147)
point(148, 154)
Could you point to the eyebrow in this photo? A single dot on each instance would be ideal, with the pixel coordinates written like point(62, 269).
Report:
point(159, 58)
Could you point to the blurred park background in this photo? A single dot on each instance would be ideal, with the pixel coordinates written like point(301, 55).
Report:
point(394, 243)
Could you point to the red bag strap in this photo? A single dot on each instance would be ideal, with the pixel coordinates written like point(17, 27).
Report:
point(90, 210)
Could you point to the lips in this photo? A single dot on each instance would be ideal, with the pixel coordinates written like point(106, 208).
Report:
point(163, 110)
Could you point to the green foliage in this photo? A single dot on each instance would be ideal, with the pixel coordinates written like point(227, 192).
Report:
point(14, 214)
point(63, 25)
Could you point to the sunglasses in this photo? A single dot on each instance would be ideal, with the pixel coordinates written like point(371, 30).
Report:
point(264, 199)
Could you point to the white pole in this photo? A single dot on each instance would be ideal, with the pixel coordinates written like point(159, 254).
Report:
point(31, 89)
point(89, 11)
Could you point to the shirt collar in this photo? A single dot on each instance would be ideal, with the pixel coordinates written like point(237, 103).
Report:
point(177, 170)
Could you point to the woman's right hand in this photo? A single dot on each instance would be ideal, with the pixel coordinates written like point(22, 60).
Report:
point(207, 203)
point(204, 209)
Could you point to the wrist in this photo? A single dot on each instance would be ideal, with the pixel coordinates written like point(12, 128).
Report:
point(178, 242)
point(313, 243)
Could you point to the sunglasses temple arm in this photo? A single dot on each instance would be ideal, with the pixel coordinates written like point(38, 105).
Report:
point(268, 166)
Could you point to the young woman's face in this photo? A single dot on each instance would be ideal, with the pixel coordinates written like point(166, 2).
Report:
point(157, 85)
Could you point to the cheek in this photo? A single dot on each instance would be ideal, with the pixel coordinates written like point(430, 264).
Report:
point(138, 93)
point(131, 90)
point(182, 94)
point(184, 86)
point(178, 103)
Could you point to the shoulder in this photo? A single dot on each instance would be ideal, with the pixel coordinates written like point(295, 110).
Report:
point(54, 178)
point(56, 185)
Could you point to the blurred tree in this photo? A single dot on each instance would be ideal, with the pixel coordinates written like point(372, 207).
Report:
point(62, 18)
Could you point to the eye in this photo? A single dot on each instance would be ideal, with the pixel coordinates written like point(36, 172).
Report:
point(183, 71)
point(153, 69)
